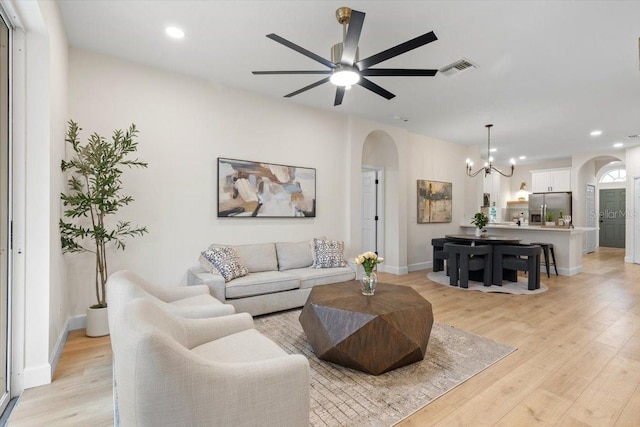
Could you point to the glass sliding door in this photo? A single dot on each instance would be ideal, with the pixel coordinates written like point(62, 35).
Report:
point(5, 229)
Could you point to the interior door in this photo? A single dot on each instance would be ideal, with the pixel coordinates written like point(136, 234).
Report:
point(591, 218)
point(612, 218)
point(369, 203)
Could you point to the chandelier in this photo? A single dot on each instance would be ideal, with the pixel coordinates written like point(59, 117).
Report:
point(488, 165)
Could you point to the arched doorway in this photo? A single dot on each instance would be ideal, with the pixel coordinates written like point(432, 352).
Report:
point(593, 179)
point(379, 195)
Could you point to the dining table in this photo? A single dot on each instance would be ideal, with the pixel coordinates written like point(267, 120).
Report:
point(487, 240)
point(510, 275)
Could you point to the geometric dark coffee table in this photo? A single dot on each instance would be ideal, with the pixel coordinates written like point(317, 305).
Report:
point(373, 334)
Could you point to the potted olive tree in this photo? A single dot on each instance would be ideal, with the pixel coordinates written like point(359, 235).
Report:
point(480, 220)
point(94, 194)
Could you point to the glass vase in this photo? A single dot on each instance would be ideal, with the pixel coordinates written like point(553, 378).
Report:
point(368, 283)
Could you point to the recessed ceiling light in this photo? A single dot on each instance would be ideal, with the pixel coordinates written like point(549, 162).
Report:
point(596, 133)
point(618, 144)
point(174, 32)
point(522, 157)
point(493, 150)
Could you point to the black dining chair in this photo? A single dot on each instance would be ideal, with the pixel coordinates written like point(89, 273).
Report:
point(439, 254)
point(517, 258)
point(463, 258)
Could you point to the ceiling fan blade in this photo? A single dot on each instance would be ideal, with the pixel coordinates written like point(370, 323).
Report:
point(261, 73)
point(339, 95)
point(311, 86)
point(301, 50)
point(397, 50)
point(353, 37)
point(368, 84)
point(397, 72)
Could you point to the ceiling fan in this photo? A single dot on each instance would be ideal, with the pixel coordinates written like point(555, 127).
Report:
point(345, 68)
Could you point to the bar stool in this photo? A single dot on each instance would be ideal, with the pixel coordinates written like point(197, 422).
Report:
point(518, 258)
point(464, 258)
point(439, 254)
point(546, 248)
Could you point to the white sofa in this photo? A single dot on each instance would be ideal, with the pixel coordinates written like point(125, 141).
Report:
point(280, 277)
point(173, 371)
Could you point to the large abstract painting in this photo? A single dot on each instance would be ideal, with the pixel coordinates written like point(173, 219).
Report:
point(434, 201)
point(253, 189)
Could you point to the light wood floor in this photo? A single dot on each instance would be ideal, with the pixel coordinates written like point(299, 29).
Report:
point(577, 363)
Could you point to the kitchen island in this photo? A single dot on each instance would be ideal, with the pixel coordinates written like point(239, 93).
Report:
point(567, 242)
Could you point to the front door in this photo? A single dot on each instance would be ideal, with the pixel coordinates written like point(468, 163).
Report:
point(612, 218)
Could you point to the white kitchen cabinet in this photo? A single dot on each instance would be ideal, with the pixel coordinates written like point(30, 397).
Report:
point(551, 180)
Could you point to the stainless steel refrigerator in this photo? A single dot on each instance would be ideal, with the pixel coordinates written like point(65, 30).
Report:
point(555, 203)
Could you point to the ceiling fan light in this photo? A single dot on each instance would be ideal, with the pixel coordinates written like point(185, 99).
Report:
point(344, 77)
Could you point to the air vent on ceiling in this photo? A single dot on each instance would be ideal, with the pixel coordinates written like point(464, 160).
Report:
point(456, 67)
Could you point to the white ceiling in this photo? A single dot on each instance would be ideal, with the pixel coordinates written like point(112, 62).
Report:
point(548, 72)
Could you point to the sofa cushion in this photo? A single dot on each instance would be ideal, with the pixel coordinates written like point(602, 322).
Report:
point(196, 300)
point(225, 261)
point(259, 257)
point(294, 255)
point(310, 277)
point(242, 347)
point(265, 282)
point(328, 253)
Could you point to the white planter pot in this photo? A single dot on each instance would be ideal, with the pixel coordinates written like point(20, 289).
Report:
point(97, 322)
point(478, 232)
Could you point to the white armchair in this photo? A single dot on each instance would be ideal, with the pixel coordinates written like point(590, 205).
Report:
point(173, 371)
point(184, 301)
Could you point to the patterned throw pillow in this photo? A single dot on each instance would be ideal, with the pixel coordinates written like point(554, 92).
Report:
point(223, 260)
point(328, 254)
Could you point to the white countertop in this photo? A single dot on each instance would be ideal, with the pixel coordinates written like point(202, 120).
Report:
point(514, 226)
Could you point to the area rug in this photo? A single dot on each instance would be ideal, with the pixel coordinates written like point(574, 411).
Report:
point(345, 397)
point(515, 288)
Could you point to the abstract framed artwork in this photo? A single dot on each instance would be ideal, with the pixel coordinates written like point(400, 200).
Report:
point(434, 201)
point(256, 189)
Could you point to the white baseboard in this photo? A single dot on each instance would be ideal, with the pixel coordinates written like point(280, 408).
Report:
point(77, 322)
point(57, 349)
point(628, 259)
point(561, 271)
point(42, 374)
point(37, 375)
point(398, 271)
point(34, 377)
point(420, 266)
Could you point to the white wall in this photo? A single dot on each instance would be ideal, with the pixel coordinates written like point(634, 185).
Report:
point(40, 107)
point(435, 160)
point(185, 124)
point(58, 87)
point(632, 161)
